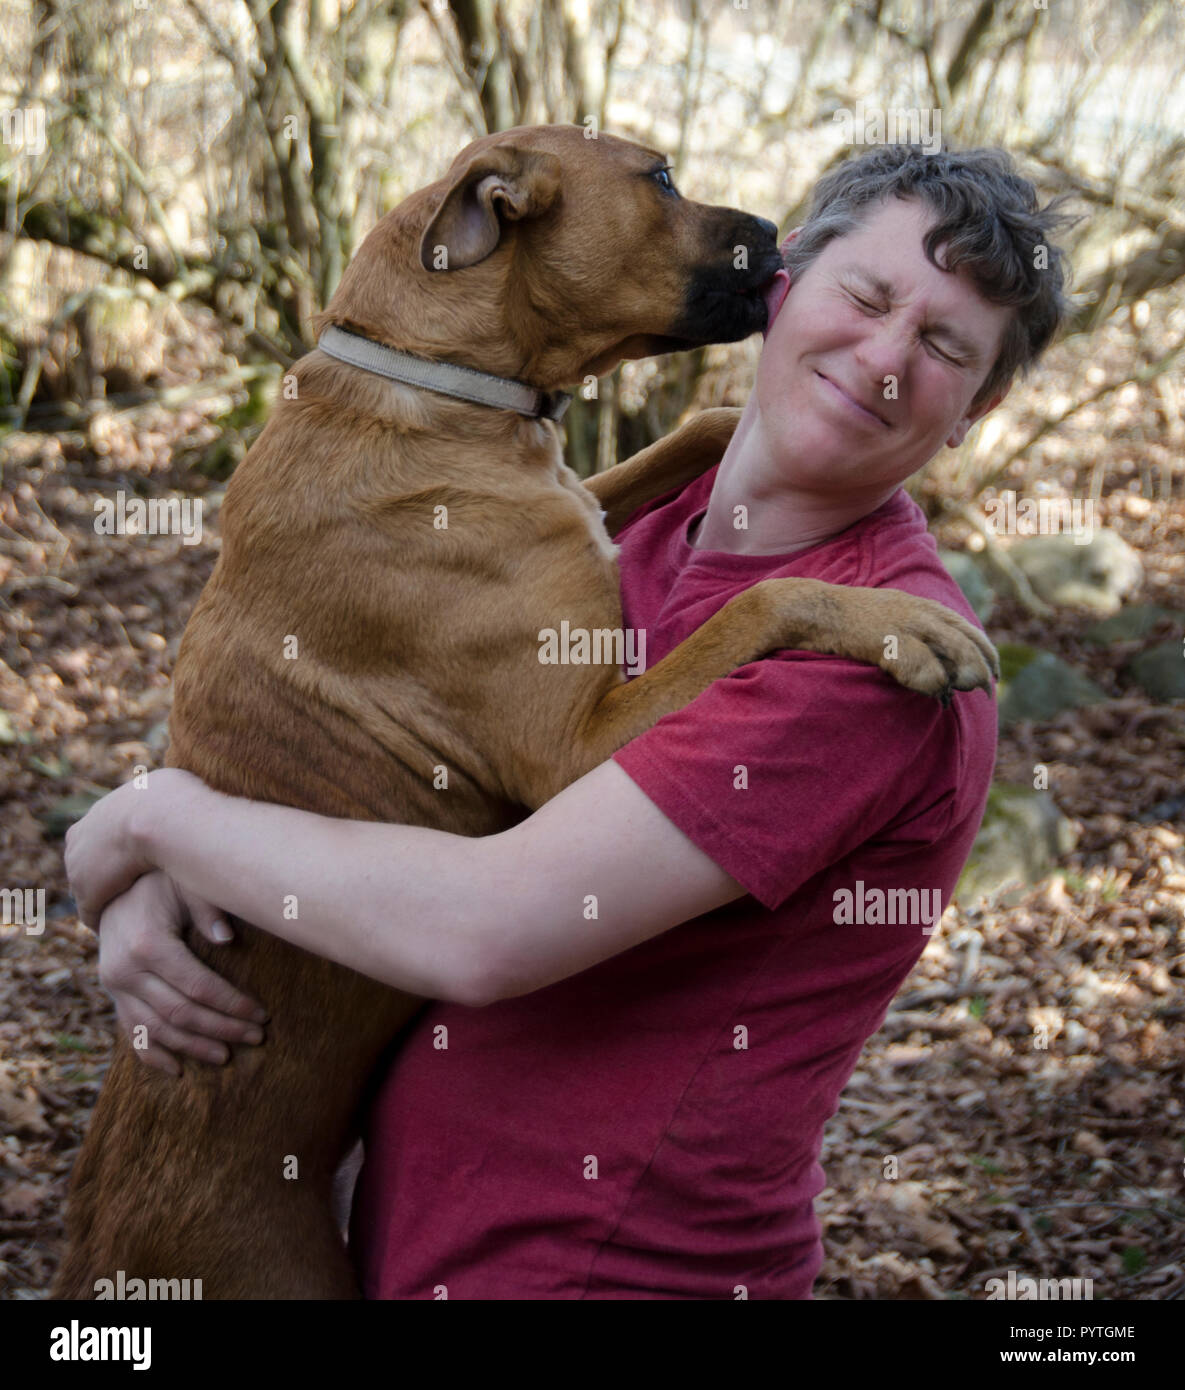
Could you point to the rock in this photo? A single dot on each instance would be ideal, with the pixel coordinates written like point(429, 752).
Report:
point(1038, 685)
point(1160, 670)
point(1131, 623)
point(1093, 575)
point(1022, 836)
point(967, 573)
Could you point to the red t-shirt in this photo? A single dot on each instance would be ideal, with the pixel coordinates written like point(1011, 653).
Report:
point(693, 1074)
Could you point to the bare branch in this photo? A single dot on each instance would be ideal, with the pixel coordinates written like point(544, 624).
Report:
point(1140, 376)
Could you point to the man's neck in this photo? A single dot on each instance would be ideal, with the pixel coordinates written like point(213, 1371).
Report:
point(779, 518)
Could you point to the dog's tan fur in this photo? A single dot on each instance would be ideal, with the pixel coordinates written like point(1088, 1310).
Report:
point(418, 649)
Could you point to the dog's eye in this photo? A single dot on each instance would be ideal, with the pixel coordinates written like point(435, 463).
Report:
point(663, 178)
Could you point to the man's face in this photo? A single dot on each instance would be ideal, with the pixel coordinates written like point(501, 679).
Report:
point(872, 319)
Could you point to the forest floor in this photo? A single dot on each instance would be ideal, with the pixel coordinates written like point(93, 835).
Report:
point(1057, 1161)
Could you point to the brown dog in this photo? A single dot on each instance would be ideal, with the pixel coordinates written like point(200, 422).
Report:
point(368, 646)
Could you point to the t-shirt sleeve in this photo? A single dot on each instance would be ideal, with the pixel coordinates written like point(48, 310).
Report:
point(789, 764)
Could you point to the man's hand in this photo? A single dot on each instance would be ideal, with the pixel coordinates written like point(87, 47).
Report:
point(158, 984)
point(104, 855)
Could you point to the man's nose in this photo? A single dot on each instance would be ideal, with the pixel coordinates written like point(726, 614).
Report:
point(883, 349)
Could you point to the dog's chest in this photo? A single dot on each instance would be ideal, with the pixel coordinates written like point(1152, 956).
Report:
point(590, 508)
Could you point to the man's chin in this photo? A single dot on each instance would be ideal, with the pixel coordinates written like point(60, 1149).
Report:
point(816, 461)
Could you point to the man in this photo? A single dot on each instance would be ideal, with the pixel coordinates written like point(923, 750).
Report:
point(599, 1106)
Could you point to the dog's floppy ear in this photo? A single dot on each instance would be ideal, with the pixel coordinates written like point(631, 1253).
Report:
point(504, 183)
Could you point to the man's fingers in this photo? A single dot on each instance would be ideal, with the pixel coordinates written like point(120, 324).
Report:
point(209, 921)
point(174, 964)
point(160, 1059)
point(144, 1034)
point(87, 915)
point(168, 1007)
point(160, 1041)
point(164, 1035)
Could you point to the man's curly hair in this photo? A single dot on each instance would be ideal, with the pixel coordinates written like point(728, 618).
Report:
point(989, 222)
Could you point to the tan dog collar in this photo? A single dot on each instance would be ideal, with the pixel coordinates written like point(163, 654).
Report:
point(465, 383)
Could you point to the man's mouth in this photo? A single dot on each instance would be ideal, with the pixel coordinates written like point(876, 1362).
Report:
point(856, 404)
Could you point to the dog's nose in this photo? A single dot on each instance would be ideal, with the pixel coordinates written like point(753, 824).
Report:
point(767, 227)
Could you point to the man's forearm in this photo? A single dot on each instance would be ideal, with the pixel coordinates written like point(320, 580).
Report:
point(401, 904)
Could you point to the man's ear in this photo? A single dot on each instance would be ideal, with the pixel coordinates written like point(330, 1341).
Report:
point(504, 184)
point(774, 293)
point(778, 288)
point(959, 433)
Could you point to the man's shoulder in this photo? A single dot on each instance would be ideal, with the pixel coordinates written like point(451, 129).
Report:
point(902, 554)
point(892, 548)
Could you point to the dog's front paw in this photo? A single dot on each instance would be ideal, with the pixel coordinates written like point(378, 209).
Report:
point(929, 648)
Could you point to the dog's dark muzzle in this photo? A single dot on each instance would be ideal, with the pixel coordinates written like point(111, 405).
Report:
point(724, 301)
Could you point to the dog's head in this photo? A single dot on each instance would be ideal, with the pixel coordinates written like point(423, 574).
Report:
point(550, 256)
